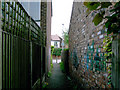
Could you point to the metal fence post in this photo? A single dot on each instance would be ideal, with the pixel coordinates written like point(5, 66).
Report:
point(31, 60)
point(0, 46)
point(41, 62)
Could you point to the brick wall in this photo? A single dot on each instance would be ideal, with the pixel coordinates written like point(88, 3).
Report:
point(48, 34)
point(86, 54)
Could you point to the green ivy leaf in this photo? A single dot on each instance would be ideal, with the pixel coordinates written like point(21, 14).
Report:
point(107, 24)
point(105, 4)
point(109, 32)
point(105, 54)
point(109, 71)
point(97, 19)
point(92, 5)
point(109, 50)
point(104, 41)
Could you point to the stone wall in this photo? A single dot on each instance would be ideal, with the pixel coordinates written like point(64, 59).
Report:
point(86, 55)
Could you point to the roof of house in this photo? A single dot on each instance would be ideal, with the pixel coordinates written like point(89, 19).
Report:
point(55, 37)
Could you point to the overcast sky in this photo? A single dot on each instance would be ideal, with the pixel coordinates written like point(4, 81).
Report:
point(61, 15)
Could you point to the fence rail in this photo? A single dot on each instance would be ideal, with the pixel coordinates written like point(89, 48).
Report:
point(23, 48)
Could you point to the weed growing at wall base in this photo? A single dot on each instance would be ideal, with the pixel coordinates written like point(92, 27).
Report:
point(62, 66)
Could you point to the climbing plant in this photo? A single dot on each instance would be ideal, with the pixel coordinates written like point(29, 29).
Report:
point(113, 21)
point(52, 49)
point(108, 47)
point(112, 24)
point(107, 42)
point(98, 7)
point(66, 38)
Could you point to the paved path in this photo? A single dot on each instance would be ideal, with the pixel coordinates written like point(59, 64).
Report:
point(58, 79)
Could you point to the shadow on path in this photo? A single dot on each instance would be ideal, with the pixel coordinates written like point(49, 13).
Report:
point(58, 79)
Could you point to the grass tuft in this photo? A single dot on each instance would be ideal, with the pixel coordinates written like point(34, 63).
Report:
point(62, 66)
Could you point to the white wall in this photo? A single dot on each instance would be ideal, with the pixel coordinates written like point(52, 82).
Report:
point(58, 42)
point(52, 43)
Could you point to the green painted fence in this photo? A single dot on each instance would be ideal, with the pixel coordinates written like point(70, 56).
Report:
point(23, 48)
point(116, 63)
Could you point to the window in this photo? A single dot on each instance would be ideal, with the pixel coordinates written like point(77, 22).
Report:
point(55, 44)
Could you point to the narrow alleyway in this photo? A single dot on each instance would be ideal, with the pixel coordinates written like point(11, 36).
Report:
point(58, 79)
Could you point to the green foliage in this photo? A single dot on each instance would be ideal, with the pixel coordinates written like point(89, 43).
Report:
point(45, 85)
point(113, 22)
point(105, 4)
point(51, 63)
point(49, 73)
point(51, 58)
point(66, 49)
point(57, 51)
point(97, 19)
point(107, 47)
point(51, 66)
point(62, 66)
point(92, 5)
point(52, 49)
point(98, 7)
point(108, 55)
point(66, 37)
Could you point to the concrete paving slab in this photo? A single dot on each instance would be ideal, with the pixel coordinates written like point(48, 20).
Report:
point(58, 79)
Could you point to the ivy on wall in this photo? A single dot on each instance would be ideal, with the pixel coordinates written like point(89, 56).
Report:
point(112, 24)
point(98, 7)
point(113, 21)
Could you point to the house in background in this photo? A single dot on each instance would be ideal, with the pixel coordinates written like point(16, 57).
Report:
point(56, 41)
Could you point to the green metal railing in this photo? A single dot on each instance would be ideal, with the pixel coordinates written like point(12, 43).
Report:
point(23, 48)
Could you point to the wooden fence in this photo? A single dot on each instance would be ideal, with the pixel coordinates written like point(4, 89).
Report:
point(23, 48)
point(116, 62)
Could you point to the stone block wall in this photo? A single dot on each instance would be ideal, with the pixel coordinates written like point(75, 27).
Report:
point(86, 55)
